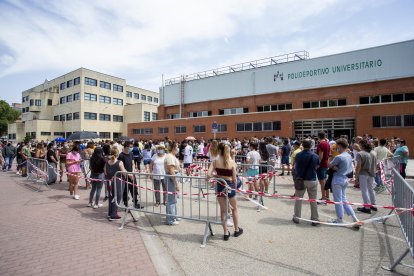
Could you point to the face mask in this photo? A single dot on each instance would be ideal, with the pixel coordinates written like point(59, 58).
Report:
point(398, 145)
point(160, 152)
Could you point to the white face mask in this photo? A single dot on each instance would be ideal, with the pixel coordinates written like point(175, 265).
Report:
point(160, 152)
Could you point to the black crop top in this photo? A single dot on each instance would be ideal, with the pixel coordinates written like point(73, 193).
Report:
point(224, 172)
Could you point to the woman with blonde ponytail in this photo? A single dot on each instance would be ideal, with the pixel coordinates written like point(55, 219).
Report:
point(225, 168)
point(111, 168)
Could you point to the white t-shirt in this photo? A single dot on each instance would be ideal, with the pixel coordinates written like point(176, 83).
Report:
point(253, 157)
point(188, 154)
point(200, 149)
point(158, 165)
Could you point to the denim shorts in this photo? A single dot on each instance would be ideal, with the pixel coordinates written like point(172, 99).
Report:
point(322, 173)
point(147, 161)
point(220, 188)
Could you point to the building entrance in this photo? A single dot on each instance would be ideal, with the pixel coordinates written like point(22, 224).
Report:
point(334, 128)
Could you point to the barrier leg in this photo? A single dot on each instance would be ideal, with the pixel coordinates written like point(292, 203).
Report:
point(211, 229)
point(206, 232)
point(124, 219)
point(385, 220)
point(398, 261)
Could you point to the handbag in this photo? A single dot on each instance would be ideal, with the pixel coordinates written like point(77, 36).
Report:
point(298, 181)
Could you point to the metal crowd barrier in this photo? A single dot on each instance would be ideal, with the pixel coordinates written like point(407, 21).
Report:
point(403, 197)
point(192, 202)
point(240, 159)
point(243, 171)
point(200, 168)
point(37, 171)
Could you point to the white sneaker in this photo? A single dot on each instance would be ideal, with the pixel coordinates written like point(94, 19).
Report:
point(100, 205)
point(18, 173)
point(95, 206)
point(89, 204)
point(229, 223)
point(174, 223)
point(178, 219)
point(77, 197)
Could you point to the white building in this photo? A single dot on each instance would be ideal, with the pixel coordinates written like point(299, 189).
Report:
point(83, 100)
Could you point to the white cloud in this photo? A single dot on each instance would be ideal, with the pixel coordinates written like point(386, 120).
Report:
point(140, 40)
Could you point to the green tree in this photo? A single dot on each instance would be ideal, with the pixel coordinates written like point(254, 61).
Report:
point(8, 115)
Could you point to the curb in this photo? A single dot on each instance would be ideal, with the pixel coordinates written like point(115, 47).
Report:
point(163, 261)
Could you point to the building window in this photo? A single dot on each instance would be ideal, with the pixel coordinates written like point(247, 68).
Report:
point(63, 86)
point(387, 98)
point(62, 117)
point(163, 130)
point(143, 97)
point(56, 118)
point(408, 120)
point(60, 134)
point(104, 117)
point(90, 97)
point(69, 98)
point(104, 99)
point(154, 116)
point(199, 128)
point(62, 100)
point(155, 100)
point(274, 107)
point(238, 110)
point(76, 96)
point(45, 133)
point(180, 129)
point(23, 99)
point(393, 121)
point(150, 99)
point(89, 116)
point(258, 126)
point(76, 116)
point(174, 116)
point(147, 116)
point(118, 88)
point(38, 102)
point(117, 118)
point(117, 101)
point(104, 84)
point(221, 128)
point(324, 103)
point(69, 83)
point(105, 135)
point(69, 117)
point(142, 131)
point(91, 82)
point(136, 96)
point(49, 101)
point(76, 81)
point(129, 94)
point(31, 102)
point(199, 114)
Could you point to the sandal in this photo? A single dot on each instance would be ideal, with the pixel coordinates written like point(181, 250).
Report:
point(226, 237)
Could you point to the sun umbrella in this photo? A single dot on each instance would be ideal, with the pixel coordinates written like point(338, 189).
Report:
point(190, 138)
point(60, 139)
point(83, 135)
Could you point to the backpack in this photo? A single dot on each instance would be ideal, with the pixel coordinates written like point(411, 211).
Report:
point(136, 152)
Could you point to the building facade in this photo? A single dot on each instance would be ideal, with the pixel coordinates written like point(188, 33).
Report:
point(366, 91)
point(83, 100)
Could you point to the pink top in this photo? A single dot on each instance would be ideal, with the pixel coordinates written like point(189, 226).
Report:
point(74, 156)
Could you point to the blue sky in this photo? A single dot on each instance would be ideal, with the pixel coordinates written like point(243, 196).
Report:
point(141, 40)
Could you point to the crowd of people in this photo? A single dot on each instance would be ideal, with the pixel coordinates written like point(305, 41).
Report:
point(316, 164)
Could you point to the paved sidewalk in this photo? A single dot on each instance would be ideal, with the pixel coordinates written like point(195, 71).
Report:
point(49, 233)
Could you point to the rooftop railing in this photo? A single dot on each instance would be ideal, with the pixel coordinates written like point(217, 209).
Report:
point(301, 55)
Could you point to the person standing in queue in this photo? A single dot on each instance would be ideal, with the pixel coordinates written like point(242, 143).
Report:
point(116, 187)
point(306, 164)
point(172, 167)
point(128, 160)
point(225, 168)
point(73, 161)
